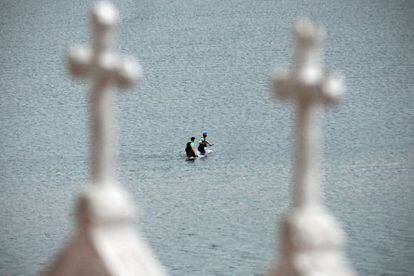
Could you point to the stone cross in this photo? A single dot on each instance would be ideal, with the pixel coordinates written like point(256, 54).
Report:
point(311, 241)
point(310, 89)
point(105, 241)
point(105, 69)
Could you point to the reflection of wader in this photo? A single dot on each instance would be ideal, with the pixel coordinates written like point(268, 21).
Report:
point(189, 149)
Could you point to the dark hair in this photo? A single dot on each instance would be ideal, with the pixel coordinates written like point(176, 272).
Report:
point(192, 138)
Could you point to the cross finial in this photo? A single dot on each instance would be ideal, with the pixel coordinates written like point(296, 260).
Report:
point(310, 88)
point(106, 69)
point(311, 241)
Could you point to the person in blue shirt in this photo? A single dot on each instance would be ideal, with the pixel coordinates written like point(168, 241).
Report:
point(202, 144)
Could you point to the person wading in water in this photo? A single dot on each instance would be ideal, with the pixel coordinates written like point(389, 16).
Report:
point(202, 144)
point(190, 149)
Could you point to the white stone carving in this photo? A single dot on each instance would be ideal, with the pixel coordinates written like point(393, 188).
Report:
point(312, 243)
point(106, 242)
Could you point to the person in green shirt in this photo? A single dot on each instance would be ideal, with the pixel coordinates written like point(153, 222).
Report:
point(190, 149)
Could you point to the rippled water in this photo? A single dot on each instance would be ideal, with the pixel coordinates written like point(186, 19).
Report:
point(207, 65)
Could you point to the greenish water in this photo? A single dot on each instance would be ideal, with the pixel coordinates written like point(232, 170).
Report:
point(207, 66)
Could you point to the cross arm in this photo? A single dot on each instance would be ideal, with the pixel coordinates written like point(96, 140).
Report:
point(328, 90)
point(127, 72)
point(333, 88)
point(123, 71)
point(80, 61)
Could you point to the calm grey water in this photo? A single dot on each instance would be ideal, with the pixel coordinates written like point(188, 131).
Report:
point(207, 66)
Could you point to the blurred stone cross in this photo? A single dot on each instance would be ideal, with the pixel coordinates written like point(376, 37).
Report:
point(105, 242)
point(105, 69)
point(311, 240)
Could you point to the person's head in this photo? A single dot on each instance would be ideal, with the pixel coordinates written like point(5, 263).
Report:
point(192, 139)
point(205, 133)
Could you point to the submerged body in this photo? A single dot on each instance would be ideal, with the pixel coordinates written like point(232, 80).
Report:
point(206, 152)
point(202, 146)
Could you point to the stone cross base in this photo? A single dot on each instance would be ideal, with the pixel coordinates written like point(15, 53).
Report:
point(312, 244)
point(106, 242)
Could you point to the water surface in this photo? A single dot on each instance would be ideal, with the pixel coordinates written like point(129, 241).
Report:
point(207, 66)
